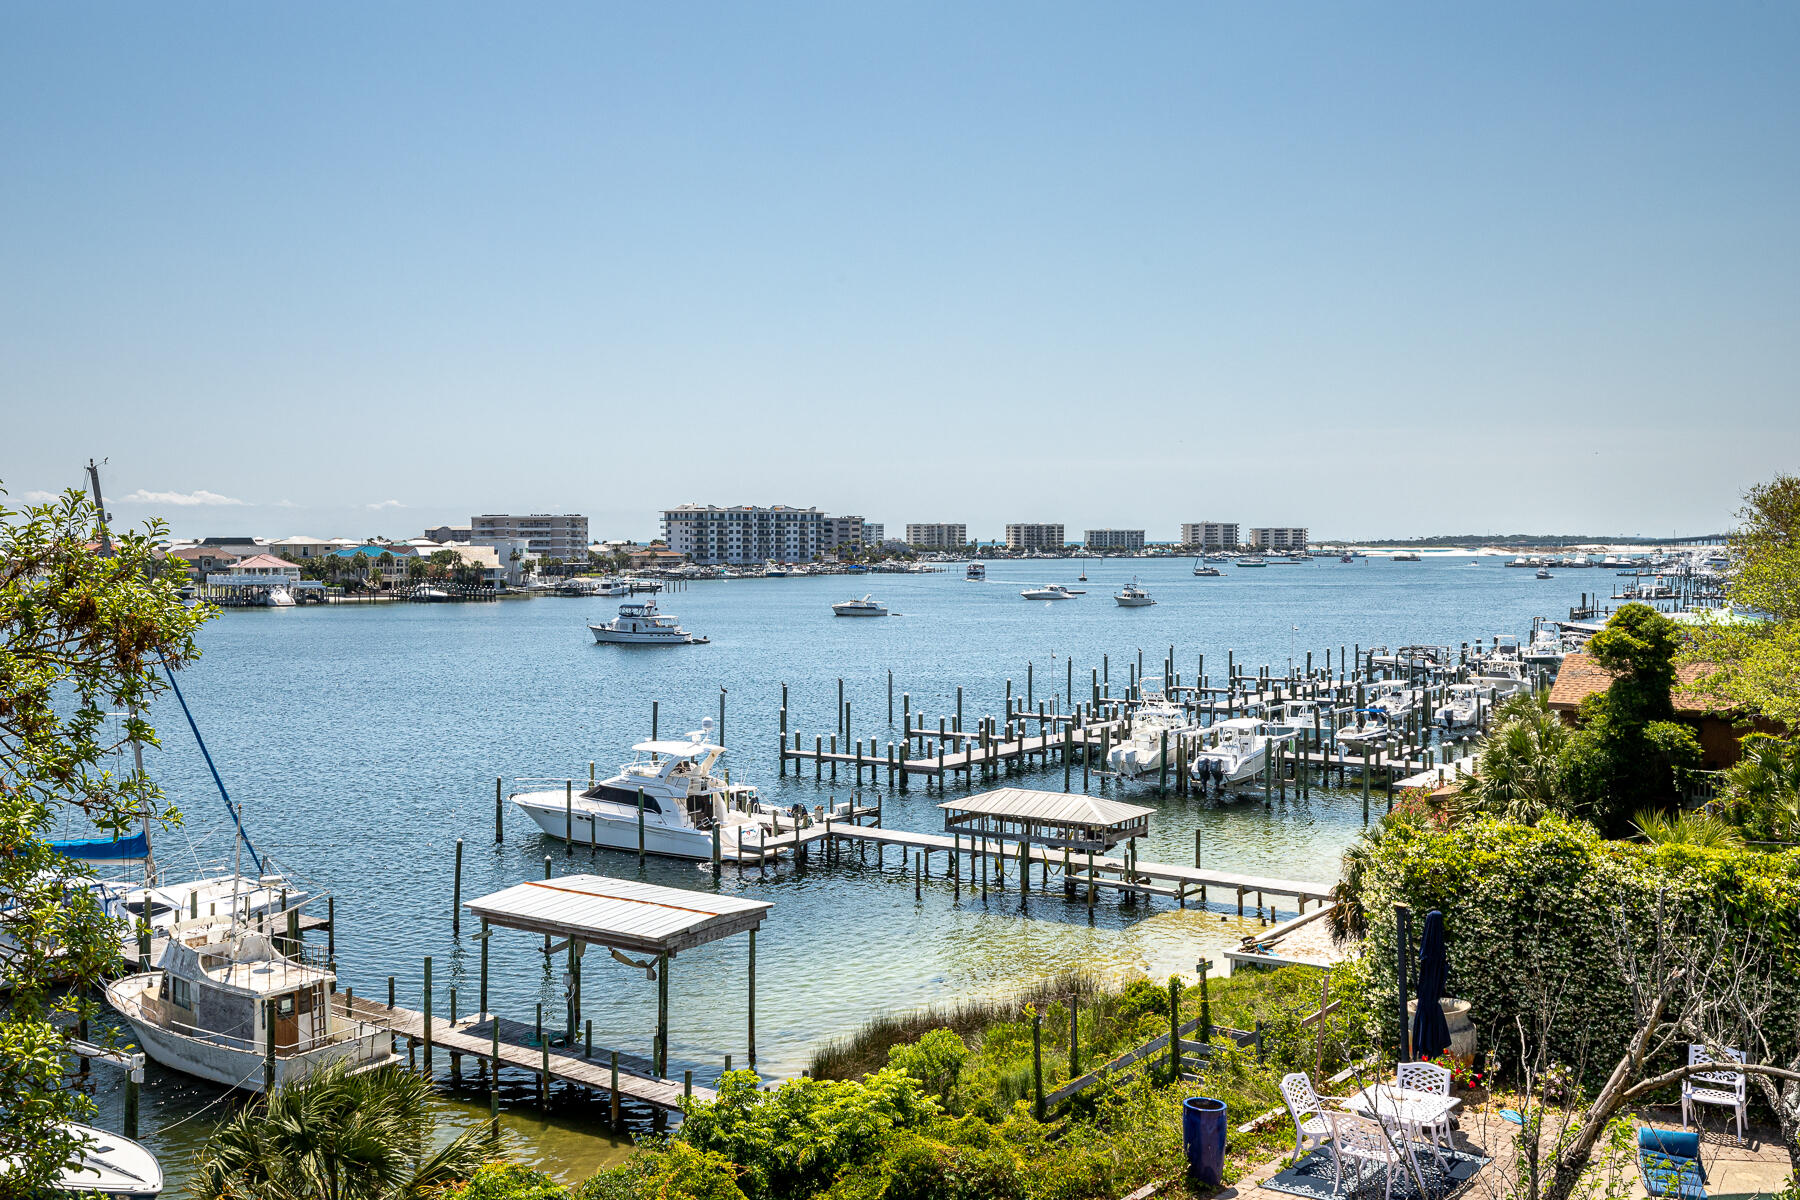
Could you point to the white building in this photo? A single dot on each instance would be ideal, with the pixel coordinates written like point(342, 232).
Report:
point(1277, 538)
point(296, 548)
point(874, 533)
point(839, 532)
point(1029, 535)
point(1210, 536)
point(261, 565)
point(1113, 539)
point(562, 537)
point(709, 535)
point(935, 535)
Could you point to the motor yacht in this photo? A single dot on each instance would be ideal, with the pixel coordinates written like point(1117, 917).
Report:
point(977, 573)
point(640, 624)
point(1239, 750)
point(1133, 596)
point(866, 607)
point(1463, 706)
point(280, 597)
point(1052, 591)
point(775, 570)
point(685, 798)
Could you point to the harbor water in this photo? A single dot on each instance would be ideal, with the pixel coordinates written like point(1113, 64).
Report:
point(363, 740)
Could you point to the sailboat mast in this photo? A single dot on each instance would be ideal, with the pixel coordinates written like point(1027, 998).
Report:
point(93, 471)
point(137, 757)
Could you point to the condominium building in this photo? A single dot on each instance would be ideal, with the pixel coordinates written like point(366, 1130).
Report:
point(564, 538)
point(1210, 535)
point(839, 532)
point(744, 533)
point(1113, 539)
point(874, 533)
point(1275, 538)
point(937, 535)
point(1029, 535)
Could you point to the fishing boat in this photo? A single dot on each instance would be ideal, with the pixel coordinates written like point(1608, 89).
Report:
point(1252, 561)
point(1051, 591)
point(1463, 706)
point(1504, 676)
point(685, 799)
point(110, 1165)
point(1373, 727)
point(866, 607)
point(1133, 596)
point(1346, 556)
point(1544, 573)
point(1208, 572)
point(639, 624)
point(1240, 749)
point(977, 572)
point(1155, 724)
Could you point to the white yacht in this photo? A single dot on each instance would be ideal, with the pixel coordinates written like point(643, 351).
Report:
point(1240, 749)
point(1053, 591)
point(683, 802)
point(1504, 676)
point(428, 595)
point(775, 570)
point(977, 572)
point(1463, 706)
point(280, 597)
point(1544, 573)
point(641, 625)
point(220, 992)
point(111, 1166)
point(1133, 596)
point(866, 607)
point(1143, 750)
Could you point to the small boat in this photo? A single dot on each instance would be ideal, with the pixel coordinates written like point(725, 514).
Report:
point(110, 1165)
point(1504, 676)
point(1408, 556)
point(1052, 591)
point(1208, 572)
point(977, 572)
point(429, 595)
point(640, 624)
point(1464, 706)
point(776, 571)
point(1252, 561)
point(1346, 557)
point(280, 597)
point(1082, 578)
point(1133, 596)
point(1240, 749)
point(1373, 727)
point(1154, 724)
point(1290, 560)
point(1544, 573)
point(866, 607)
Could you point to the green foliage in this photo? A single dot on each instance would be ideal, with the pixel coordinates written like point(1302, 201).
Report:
point(1533, 918)
point(1142, 998)
point(1519, 768)
point(1754, 664)
point(81, 635)
point(1761, 791)
point(508, 1181)
point(1687, 829)
point(340, 1136)
point(935, 1060)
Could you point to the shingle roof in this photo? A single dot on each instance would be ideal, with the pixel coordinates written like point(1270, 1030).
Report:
point(1581, 676)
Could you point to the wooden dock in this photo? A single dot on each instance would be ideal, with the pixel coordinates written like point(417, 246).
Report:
point(519, 1048)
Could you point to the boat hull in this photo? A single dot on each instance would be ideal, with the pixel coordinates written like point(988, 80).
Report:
point(614, 637)
point(590, 826)
point(1134, 602)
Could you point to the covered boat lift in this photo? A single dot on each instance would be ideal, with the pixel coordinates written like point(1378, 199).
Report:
point(625, 917)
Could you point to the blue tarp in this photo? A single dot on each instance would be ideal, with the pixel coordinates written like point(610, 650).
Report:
point(97, 849)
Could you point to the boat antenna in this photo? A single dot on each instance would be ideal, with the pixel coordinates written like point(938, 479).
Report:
point(236, 817)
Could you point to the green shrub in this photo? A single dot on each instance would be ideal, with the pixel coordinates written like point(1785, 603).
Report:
point(934, 1060)
point(510, 1181)
point(1140, 999)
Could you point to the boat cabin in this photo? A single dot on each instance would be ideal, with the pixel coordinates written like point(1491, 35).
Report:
point(228, 987)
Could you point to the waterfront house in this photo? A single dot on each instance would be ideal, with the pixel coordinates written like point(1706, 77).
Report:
point(1717, 726)
point(264, 565)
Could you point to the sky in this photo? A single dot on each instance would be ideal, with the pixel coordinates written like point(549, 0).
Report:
point(1379, 270)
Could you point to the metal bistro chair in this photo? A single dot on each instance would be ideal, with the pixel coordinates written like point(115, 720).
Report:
point(1723, 1088)
point(1310, 1122)
point(1364, 1139)
point(1429, 1077)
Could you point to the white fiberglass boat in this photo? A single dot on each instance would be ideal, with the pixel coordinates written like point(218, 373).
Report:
point(641, 625)
point(1504, 677)
point(1054, 591)
point(1392, 697)
point(110, 1165)
point(1240, 749)
point(1143, 750)
point(1544, 573)
point(1463, 706)
point(866, 607)
point(219, 993)
point(1133, 596)
point(976, 573)
point(1252, 561)
point(280, 597)
point(683, 803)
point(1372, 728)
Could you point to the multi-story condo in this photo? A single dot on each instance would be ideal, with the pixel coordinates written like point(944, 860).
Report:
point(710, 535)
point(1276, 538)
point(936, 535)
point(1113, 539)
point(874, 533)
point(1210, 536)
point(562, 537)
point(839, 532)
point(1028, 535)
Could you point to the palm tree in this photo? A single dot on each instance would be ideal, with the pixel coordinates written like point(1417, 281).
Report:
point(1765, 780)
point(338, 1136)
point(1518, 766)
point(1704, 829)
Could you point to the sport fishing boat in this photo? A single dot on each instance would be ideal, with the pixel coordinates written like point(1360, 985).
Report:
point(1544, 573)
point(1373, 727)
point(1053, 591)
point(1503, 676)
point(1240, 749)
point(1463, 706)
point(866, 607)
point(1133, 596)
point(1392, 697)
point(684, 801)
point(110, 1165)
point(639, 624)
point(977, 572)
point(222, 994)
point(1154, 724)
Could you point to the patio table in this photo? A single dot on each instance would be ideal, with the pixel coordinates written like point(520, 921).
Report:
point(1403, 1109)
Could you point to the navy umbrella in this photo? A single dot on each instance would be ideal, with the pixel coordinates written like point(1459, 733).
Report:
point(1430, 1033)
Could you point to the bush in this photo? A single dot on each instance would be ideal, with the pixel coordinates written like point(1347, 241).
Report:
point(1141, 998)
point(934, 1060)
point(509, 1181)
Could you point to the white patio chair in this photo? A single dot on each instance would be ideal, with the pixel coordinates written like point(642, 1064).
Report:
point(1723, 1088)
point(1429, 1077)
point(1363, 1139)
point(1310, 1122)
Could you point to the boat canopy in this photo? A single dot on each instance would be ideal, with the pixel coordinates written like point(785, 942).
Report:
point(678, 749)
point(104, 849)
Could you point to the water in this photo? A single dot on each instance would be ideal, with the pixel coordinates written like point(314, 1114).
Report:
point(364, 740)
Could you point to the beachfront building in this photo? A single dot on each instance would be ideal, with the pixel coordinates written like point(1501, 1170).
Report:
point(936, 535)
point(874, 533)
point(1291, 540)
point(547, 535)
point(296, 548)
point(449, 533)
point(1031, 535)
point(841, 532)
point(744, 533)
point(260, 565)
point(1210, 536)
point(1113, 539)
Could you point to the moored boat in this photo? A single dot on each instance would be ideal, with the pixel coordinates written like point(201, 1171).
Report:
point(1133, 596)
point(1053, 591)
point(639, 624)
point(868, 606)
point(110, 1165)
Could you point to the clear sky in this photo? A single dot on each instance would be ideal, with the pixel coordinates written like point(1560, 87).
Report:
point(1374, 269)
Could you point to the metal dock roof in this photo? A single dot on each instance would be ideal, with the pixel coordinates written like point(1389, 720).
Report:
point(621, 913)
point(1049, 808)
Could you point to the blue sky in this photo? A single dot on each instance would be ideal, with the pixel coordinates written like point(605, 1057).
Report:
point(1372, 269)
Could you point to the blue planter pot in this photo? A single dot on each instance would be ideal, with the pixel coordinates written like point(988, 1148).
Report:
point(1203, 1137)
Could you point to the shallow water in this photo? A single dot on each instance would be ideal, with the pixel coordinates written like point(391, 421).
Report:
point(364, 740)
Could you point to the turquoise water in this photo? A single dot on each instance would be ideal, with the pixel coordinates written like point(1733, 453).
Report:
point(364, 740)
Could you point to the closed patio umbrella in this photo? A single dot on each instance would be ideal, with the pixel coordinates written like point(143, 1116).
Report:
point(1430, 1034)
